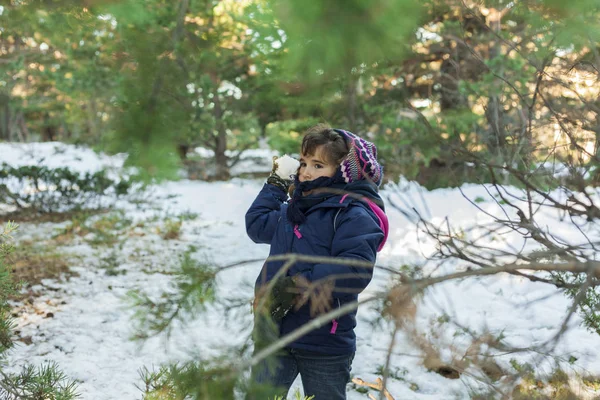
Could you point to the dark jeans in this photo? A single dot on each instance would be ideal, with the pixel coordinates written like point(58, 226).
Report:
point(323, 376)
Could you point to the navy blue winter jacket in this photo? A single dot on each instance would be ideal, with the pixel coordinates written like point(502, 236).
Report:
point(357, 235)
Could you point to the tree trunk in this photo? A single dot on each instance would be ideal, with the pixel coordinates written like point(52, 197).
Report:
point(495, 138)
point(450, 97)
point(222, 172)
point(23, 131)
point(93, 119)
point(66, 132)
point(182, 150)
point(596, 154)
point(48, 130)
point(4, 117)
point(222, 169)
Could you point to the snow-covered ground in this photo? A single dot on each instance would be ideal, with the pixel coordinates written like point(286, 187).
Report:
point(89, 329)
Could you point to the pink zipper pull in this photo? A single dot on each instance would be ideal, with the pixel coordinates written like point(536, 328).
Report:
point(334, 325)
point(297, 232)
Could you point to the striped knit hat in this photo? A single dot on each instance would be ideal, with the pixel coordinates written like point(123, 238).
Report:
point(361, 161)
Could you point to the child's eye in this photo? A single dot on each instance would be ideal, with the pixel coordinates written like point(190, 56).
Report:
point(302, 165)
point(318, 166)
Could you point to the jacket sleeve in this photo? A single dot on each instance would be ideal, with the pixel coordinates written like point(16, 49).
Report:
point(357, 237)
point(263, 215)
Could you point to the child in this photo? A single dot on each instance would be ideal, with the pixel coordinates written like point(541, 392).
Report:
point(334, 211)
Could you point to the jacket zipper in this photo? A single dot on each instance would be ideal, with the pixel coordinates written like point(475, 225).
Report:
point(297, 232)
point(334, 323)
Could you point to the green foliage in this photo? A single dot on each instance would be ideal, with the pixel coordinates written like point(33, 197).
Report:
point(7, 287)
point(47, 190)
point(397, 373)
point(193, 380)
point(297, 396)
point(200, 381)
point(60, 90)
point(403, 143)
point(211, 379)
point(188, 215)
point(105, 230)
point(180, 83)
point(146, 122)
point(576, 22)
point(458, 122)
point(32, 383)
point(159, 384)
point(147, 76)
point(193, 287)
point(132, 12)
point(589, 304)
point(110, 263)
point(332, 37)
point(286, 136)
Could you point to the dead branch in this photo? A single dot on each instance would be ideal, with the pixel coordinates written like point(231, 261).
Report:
point(378, 385)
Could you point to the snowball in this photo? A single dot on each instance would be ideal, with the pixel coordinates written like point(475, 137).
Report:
point(286, 166)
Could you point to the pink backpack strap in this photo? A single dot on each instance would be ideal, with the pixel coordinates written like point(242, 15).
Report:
point(383, 219)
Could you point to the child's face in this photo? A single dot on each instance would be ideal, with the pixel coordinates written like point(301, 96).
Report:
point(315, 166)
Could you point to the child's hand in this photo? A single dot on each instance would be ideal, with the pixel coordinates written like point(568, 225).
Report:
point(283, 297)
point(282, 172)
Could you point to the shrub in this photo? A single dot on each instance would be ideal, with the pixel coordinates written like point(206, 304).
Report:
point(171, 229)
point(58, 189)
point(44, 382)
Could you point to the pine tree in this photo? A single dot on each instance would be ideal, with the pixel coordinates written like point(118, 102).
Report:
point(32, 382)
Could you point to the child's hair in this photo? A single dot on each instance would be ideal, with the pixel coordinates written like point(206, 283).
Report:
point(333, 146)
